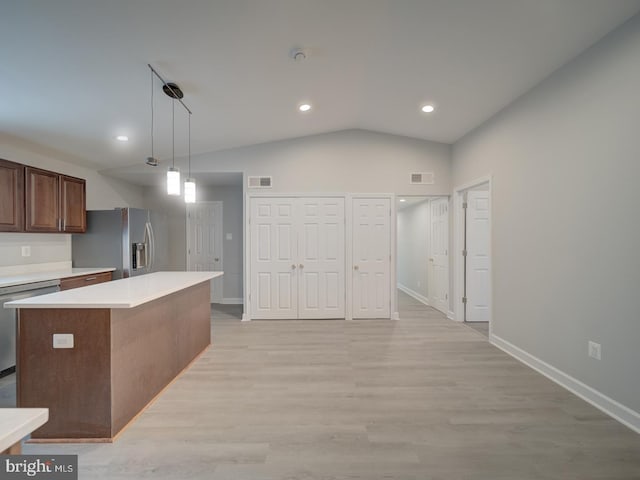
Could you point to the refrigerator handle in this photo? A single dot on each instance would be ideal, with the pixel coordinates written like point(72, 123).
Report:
point(152, 245)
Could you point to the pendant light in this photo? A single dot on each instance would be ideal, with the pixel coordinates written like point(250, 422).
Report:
point(173, 174)
point(189, 183)
point(174, 92)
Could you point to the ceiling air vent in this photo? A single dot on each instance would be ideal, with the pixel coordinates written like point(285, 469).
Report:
point(424, 178)
point(260, 182)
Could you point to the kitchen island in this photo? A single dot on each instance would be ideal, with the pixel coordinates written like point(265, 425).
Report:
point(97, 356)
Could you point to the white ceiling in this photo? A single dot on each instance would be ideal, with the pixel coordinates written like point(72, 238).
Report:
point(73, 72)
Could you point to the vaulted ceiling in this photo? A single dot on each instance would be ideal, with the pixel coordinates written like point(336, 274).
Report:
point(74, 72)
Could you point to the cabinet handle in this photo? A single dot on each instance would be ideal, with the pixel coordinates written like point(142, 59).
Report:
point(356, 267)
point(293, 267)
point(88, 279)
point(301, 266)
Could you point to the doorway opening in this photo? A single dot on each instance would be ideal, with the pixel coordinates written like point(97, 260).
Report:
point(423, 250)
point(215, 235)
point(472, 203)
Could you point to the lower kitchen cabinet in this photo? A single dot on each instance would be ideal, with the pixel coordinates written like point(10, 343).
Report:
point(76, 282)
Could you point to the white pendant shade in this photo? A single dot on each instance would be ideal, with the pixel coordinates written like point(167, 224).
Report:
point(189, 190)
point(173, 181)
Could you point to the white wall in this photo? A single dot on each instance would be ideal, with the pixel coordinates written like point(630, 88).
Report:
point(413, 248)
point(102, 193)
point(232, 219)
point(565, 160)
point(350, 161)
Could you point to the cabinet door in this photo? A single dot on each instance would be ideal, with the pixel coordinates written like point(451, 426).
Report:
point(11, 196)
point(73, 211)
point(42, 200)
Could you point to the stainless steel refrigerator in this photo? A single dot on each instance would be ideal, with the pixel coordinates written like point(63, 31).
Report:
point(133, 240)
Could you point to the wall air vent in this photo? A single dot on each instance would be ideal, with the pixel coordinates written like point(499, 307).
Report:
point(260, 182)
point(424, 178)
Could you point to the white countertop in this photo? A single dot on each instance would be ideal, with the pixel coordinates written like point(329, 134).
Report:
point(17, 423)
point(124, 293)
point(8, 281)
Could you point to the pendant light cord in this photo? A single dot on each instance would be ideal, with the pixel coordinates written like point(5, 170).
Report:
point(173, 132)
point(189, 144)
point(152, 155)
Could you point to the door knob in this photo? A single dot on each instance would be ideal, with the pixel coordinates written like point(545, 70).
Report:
point(431, 259)
point(216, 259)
point(356, 267)
point(293, 267)
point(301, 266)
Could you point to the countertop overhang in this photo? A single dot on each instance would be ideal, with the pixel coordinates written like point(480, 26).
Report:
point(124, 293)
point(17, 423)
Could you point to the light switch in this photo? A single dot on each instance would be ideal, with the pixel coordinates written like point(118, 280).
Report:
point(26, 251)
point(63, 340)
point(229, 236)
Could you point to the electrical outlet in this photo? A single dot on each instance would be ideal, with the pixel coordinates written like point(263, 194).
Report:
point(229, 236)
point(595, 351)
point(26, 251)
point(63, 340)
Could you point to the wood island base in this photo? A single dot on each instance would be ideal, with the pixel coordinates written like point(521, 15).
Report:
point(121, 360)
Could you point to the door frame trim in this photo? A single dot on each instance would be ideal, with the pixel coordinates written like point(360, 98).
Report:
point(458, 242)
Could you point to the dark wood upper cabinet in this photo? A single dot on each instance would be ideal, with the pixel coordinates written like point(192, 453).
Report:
point(11, 196)
point(54, 202)
point(42, 200)
point(73, 204)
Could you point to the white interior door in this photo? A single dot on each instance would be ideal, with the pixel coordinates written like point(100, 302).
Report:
point(439, 259)
point(204, 242)
point(273, 253)
point(478, 261)
point(371, 257)
point(321, 288)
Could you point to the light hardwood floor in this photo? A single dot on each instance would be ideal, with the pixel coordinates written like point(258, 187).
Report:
point(420, 398)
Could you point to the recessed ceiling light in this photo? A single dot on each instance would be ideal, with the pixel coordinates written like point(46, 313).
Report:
point(122, 138)
point(428, 108)
point(403, 199)
point(305, 107)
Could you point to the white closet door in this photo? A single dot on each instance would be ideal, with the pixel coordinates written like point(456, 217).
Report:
point(371, 257)
point(439, 288)
point(274, 283)
point(477, 256)
point(321, 287)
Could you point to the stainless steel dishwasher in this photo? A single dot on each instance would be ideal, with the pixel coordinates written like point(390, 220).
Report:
point(8, 318)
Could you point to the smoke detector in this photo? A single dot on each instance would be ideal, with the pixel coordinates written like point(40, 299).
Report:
point(299, 54)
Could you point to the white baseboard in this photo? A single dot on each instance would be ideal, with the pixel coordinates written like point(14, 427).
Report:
point(245, 317)
point(232, 301)
point(623, 414)
point(412, 293)
point(451, 316)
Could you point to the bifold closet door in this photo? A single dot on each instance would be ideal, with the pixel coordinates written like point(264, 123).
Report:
point(321, 245)
point(371, 273)
point(274, 282)
point(297, 258)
